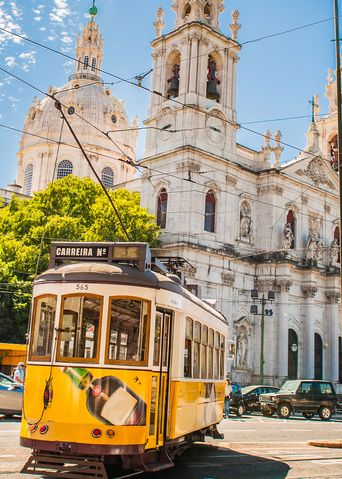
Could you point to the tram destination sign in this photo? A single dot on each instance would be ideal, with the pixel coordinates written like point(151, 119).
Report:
point(137, 253)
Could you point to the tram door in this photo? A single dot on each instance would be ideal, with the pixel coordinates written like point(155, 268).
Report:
point(160, 374)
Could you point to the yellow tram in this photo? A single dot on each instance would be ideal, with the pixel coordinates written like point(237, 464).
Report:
point(125, 366)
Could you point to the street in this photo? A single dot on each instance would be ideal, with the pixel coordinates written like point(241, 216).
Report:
point(254, 447)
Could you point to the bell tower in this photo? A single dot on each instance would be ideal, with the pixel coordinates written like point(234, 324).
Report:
point(89, 49)
point(194, 80)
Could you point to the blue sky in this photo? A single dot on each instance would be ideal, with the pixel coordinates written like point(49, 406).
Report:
point(276, 76)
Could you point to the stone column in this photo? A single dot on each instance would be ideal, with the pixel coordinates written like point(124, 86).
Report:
point(283, 287)
point(193, 64)
point(332, 300)
point(309, 292)
point(185, 65)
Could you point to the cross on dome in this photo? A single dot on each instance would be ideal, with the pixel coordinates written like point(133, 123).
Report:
point(204, 11)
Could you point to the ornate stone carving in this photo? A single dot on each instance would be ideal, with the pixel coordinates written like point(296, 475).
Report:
point(270, 189)
point(332, 296)
point(159, 24)
point(241, 349)
point(188, 165)
point(231, 180)
point(315, 244)
point(245, 221)
point(287, 236)
point(213, 186)
point(327, 208)
point(334, 252)
point(235, 26)
point(283, 285)
point(316, 173)
point(265, 284)
point(304, 199)
point(309, 291)
point(228, 278)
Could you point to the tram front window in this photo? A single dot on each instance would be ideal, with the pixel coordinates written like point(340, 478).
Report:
point(127, 332)
point(79, 328)
point(42, 329)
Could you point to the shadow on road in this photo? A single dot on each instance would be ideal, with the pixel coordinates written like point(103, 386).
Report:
point(209, 462)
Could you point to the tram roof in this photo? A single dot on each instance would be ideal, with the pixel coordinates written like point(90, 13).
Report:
point(95, 272)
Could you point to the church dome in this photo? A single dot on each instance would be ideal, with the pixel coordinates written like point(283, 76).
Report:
point(90, 109)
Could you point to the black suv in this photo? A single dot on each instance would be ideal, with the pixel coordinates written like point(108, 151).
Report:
point(307, 396)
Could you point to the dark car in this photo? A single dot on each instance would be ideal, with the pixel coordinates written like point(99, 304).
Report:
point(11, 394)
point(307, 396)
point(251, 396)
point(237, 405)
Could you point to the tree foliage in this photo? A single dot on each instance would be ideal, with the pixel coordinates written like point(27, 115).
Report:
point(70, 209)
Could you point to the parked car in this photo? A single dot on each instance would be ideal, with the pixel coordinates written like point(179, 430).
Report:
point(251, 396)
point(237, 405)
point(11, 394)
point(309, 397)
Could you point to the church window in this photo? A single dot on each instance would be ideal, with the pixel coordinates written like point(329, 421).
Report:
point(207, 11)
point(107, 177)
point(28, 180)
point(71, 110)
point(162, 208)
point(210, 207)
point(114, 119)
point(212, 80)
point(93, 65)
point(86, 63)
point(79, 64)
point(290, 220)
point(333, 146)
point(65, 168)
point(173, 73)
point(337, 239)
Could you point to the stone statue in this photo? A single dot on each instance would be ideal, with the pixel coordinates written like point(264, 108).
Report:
point(245, 222)
point(288, 236)
point(334, 252)
point(315, 247)
point(241, 350)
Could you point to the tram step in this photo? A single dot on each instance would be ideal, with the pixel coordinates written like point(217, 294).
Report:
point(66, 467)
point(157, 466)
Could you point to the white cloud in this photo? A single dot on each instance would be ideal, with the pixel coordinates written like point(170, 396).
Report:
point(42, 29)
point(10, 61)
point(37, 19)
point(10, 18)
point(60, 11)
point(28, 59)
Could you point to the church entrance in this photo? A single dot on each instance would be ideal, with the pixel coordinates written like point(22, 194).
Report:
point(318, 357)
point(292, 369)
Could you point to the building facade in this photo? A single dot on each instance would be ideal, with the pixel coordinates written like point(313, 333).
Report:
point(243, 219)
point(86, 102)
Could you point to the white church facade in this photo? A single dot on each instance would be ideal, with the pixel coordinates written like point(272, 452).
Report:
point(246, 223)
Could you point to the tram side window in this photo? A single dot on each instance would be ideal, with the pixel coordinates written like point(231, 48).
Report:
point(222, 356)
point(188, 348)
point(211, 355)
point(197, 350)
point(127, 333)
point(79, 328)
point(217, 356)
point(204, 354)
point(42, 329)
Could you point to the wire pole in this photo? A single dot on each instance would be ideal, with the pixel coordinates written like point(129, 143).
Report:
point(339, 129)
point(262, 338)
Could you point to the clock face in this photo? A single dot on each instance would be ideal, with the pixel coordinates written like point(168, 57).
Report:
point(165, 123)
point(215, 129)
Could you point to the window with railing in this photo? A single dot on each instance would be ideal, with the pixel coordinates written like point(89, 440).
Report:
point(27, 190)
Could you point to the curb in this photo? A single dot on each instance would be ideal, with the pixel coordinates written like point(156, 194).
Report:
point(330, 444)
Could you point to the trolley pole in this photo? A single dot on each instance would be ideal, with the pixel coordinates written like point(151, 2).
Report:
point(339, 129)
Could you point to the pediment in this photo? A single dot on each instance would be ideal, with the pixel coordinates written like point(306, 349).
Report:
point(212, 185)
point(313, 171)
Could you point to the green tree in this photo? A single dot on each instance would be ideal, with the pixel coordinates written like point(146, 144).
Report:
point(70, 209)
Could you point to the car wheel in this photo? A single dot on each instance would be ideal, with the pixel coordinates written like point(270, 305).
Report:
point(308, 415)
point(240, 410)
point(283, 411)
point(267, 413)
point(325, 413)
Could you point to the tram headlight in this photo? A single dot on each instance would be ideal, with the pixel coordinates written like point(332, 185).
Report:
point(96, 433)
point(44, 429)
point(33, 427)
point(110, 433)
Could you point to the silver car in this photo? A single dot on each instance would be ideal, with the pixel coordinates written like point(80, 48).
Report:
point(11, 396)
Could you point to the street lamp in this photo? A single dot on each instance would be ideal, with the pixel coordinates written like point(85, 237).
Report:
point(264, 312)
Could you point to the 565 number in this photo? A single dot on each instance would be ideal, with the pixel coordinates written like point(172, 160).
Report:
point(82, 287)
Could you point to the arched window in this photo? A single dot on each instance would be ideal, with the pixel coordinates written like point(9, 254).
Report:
point(79, 64)
point(213, 81)
point(28, 180)
point(173, 74)
point(187, 10)
point(86, 63)
point(162, 208)
point(210, 206)
point(207, 11)
point(337, 239)
point(64, 169)
point(107, 177)
point(290, 220)
point(93, 65)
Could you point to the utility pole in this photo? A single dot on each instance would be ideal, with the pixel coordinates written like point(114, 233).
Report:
point(339, 129)
point(263, 302)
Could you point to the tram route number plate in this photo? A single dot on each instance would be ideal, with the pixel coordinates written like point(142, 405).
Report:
point(82, 287)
